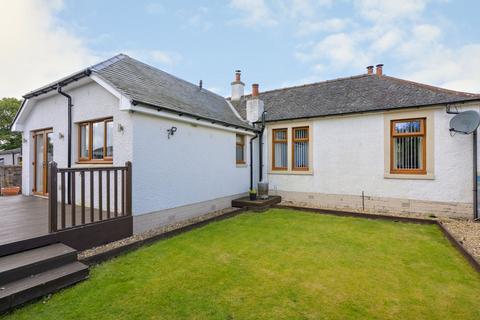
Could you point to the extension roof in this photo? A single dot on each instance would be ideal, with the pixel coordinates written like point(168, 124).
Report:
point(144, 84)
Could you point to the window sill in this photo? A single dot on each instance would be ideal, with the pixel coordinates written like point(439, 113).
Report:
point(292, 172)
point(101, 162)
point(427, 176)
point(242, 165)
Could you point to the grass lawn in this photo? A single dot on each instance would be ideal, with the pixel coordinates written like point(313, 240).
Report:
point(282, 264)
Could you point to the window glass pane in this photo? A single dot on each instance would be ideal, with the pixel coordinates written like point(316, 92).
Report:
point(301, 133)
point(97, 143)
point(109, 143)
point(280, 155)
point(300, 148)
point(280, 134)
point(84, 138)
point(240, 153)
point(408, 126)
point(408, 152)
point(39, 163)
point(300, 155)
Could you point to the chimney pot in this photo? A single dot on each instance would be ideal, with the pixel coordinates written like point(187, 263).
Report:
point(370, 70)
point(255, 90)
point(379, 69)
point(237, 75)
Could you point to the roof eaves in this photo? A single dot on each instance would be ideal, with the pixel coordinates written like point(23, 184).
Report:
point(375, 110)
point(74, 77)
point(195, 116)
point(433, 88)
point(62, 82)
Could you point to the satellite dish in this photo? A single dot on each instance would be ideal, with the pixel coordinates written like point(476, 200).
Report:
point(465, 122)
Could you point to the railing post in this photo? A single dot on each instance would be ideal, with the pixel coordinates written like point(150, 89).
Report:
point(52, 197)
point(128, 189)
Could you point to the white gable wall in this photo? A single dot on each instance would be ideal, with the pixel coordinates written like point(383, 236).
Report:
point(90, 102)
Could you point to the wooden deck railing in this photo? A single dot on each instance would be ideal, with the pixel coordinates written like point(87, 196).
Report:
point(108, 200)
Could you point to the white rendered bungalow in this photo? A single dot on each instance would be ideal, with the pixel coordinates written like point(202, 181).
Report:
point(369, 143)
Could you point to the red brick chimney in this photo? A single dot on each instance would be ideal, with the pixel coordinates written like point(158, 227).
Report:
point(255, 90)
point(370, 70)
point(379, 69)
point(237, 75)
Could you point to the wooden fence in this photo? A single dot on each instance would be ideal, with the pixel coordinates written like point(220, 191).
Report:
point(109, 195)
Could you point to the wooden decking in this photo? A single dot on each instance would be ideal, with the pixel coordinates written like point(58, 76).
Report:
point(26, 217)
point(22, 217)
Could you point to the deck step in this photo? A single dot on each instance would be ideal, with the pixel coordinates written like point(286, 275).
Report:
point(24, 264)
point(18, 292)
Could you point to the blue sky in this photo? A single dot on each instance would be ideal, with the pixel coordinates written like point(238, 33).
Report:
point(275, 43)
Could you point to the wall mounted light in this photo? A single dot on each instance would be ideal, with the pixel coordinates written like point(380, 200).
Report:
point(171, 131)
point(61, 135)
point(24, 140)
point(120, 128)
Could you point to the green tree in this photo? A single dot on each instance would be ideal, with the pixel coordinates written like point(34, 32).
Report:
point(8, 109)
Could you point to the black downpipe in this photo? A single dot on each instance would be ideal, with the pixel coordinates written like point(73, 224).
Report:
point(69, 156)
point(475, 182)
point(260, 149)
point(251, 161)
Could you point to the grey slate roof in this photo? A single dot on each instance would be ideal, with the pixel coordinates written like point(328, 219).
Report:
point(148, 85)
point(363, 93)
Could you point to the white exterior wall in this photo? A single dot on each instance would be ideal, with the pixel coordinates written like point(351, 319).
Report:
point(192, 173)
point(195, 165)
point(10, 159)
point(349, 157)
point(90, 102)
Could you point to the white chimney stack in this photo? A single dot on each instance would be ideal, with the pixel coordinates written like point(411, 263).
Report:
point(238, 87)
point(255, 106)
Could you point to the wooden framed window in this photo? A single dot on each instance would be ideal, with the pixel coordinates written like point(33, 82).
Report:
point(280, 149)
point(300, 141)
point(408, 146)
point(240, 149)
point(95, 141)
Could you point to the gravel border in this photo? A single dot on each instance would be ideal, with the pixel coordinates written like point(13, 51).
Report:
point(466, 232)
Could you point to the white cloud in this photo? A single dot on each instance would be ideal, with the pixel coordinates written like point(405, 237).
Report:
point(199, 20)
point(389, 10)
point(255, 12)
point(399, 31)
point(166, 58)
point(308, 27)
point(36, 49)
point(386, 41)
point(338, 50)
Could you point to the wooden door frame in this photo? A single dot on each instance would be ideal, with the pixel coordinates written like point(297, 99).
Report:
point(36, 133)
